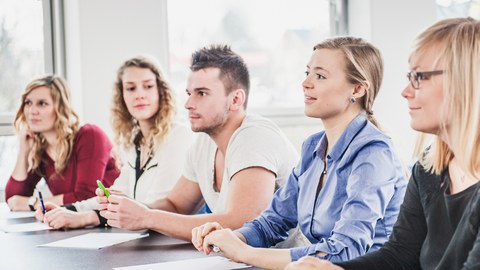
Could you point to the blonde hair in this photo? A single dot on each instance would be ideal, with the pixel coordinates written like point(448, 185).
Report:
point(459, 43)
point(125, 126)
point(364, 65)
point(66, 124)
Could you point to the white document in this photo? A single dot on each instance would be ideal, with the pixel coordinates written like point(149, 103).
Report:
point(95, 240)
point(209, 263)
point(25, 227)
point(13, 215)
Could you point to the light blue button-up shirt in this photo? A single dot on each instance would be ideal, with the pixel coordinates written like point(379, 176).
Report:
point(356, 208)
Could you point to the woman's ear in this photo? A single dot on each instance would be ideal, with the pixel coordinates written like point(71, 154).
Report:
point(360, 89)
point(238, 99)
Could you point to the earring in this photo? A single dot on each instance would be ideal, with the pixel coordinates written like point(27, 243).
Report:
point(353, 99)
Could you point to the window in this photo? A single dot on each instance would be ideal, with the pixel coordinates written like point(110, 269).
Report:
point(21, 59)
point(275, 38)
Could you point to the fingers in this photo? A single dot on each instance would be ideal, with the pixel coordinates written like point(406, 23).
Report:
point(39, 215)
point(50, 206)
point(197, 239)
point(210, 227)
point(100, 192)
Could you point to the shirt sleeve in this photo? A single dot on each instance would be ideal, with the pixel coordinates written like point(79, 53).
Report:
point(262, 151)
point(273, 224)
point(22, 188)
point(93, 156)
point(473, 259)
point(402, 250)
point(370, 187)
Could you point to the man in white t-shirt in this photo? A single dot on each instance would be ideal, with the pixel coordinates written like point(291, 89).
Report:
point(235, 165)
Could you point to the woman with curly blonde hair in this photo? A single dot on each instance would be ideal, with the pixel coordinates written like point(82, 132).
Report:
point(152, 145)
point(53, 146)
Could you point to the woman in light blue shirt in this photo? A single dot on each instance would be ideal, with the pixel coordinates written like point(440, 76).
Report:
point(346, 191)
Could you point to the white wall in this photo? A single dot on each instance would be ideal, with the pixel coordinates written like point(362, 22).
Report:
point(102, 34)
point(392, 26)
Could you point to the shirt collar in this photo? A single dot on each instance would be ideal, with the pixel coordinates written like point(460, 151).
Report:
point(344, 141)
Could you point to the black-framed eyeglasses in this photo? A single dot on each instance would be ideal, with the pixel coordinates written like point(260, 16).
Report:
point(415, 77)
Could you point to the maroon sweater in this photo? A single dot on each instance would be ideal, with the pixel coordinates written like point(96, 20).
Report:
point(90, 160)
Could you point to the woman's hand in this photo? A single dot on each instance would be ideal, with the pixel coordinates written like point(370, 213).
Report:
point(25, 137)
point(18, 203)
point(59, 217)
point(229, 244)
point(199, 233)
point(102, 200)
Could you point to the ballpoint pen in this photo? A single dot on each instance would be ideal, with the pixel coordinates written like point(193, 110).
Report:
point(41, 202)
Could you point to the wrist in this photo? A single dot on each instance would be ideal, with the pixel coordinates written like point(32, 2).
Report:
point(90, 218)
point(247, 254)
point(32, 203)
point(149, 215)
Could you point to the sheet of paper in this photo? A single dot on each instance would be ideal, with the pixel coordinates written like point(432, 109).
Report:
point(13, 215)
point(209, 263)
point(95, 240)
point(25, 227)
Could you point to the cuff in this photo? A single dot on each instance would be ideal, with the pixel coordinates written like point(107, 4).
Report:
point(252, 237)
point(299, 252)
point(103, 221)
point(70, 207)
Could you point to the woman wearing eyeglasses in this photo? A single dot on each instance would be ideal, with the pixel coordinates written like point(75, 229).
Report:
point(438, 225)
point(346, 191)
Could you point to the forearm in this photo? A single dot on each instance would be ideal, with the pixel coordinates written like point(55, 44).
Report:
point(267, 258)
point(57, 199)
point(89, 218)
point(180, 226)
point(20, 171)
point(165, 205)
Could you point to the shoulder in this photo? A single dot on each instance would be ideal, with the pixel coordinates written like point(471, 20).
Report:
point(428, 184)
point(91, 130)
point(257, 126)
point(90, 134)
point(370, 140)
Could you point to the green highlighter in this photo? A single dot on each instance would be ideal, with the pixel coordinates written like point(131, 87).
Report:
point(101, 186)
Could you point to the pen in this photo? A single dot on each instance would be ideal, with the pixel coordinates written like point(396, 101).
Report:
point(214, 248)
point(41, 202)
point(102, 187)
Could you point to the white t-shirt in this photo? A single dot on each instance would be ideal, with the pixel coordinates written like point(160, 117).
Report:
point(258, 142)
point(161, 172)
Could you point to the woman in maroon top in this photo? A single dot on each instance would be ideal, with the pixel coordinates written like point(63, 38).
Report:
point(53, 146)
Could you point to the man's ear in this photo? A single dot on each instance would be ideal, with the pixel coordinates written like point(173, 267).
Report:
point(238, 99)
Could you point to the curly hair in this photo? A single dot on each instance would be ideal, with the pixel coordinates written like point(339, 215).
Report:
point(125, 126)
point(66, 124)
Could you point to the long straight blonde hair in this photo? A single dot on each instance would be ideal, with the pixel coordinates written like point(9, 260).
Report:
point(66, 124)
point(459, 43)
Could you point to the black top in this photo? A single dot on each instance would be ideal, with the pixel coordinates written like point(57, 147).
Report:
point(434, 230)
